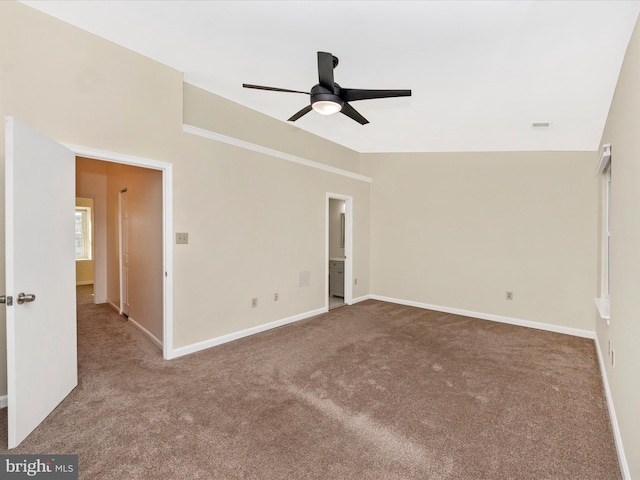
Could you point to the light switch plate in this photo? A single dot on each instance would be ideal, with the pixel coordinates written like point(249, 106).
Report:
point(182, 238)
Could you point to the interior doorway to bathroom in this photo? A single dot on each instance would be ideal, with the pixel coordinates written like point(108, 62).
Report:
point(336, 241)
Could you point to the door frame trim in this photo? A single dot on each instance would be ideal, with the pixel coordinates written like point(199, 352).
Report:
point(167, 228)
point(348, 247)
point(120, 262)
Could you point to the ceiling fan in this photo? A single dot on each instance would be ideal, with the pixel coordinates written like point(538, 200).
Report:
point(327, 97)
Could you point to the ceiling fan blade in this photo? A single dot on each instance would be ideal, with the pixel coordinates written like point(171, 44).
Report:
point(325, 70)
point(353, 94)
point(273, 89)
point(302, 112)
point(352, 113)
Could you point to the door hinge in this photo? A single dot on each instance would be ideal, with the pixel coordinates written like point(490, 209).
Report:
point(8, 299)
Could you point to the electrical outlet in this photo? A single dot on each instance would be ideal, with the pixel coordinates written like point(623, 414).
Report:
point(254, 302)
point(275, 297)
point(613, 358)
point(509, 295)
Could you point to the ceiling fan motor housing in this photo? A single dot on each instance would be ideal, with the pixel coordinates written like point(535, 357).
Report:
point(321, 94)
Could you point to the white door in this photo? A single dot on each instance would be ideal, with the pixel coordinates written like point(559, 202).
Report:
point(124, 253)
point(42, 365)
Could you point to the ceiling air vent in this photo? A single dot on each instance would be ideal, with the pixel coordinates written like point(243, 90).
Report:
point(540, 124)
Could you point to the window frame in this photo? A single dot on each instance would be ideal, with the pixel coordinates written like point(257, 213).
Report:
point(603, 302)
point(87, 214)
point(606, 234)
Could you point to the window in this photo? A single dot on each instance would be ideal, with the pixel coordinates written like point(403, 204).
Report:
point(604, 169)
point(83, 233)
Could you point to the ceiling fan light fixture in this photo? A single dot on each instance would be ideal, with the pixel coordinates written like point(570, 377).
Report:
point(328, 98)
point(326, 107)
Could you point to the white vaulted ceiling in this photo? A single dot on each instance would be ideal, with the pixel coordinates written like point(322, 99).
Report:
point(481, 71)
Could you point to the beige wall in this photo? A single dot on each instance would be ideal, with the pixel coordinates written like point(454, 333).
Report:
point(84, 272)
point(621, 130)
point(459, 230)
point(144, 199)
point(84, 268)
point(254, 221)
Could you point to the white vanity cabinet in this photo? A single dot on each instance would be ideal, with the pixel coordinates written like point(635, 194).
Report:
point(336, 278)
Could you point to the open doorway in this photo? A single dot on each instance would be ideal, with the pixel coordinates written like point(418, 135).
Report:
point(336, 252)
point(130, 223)
point(39, 170)
point(141, 293)
point(339, 250)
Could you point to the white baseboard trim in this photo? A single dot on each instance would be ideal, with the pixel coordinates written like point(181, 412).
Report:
point(3, 401)
point(84, 282)
point(196, 347)
point(577, 332)
point(622, 459)
point(151, 336)
point(360, 299)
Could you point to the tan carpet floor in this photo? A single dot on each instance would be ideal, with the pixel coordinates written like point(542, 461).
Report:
point(370, 391)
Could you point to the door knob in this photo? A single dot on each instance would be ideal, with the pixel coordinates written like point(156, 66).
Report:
point(29, 297)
